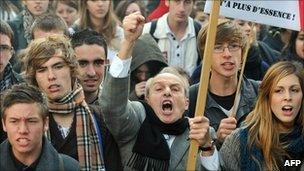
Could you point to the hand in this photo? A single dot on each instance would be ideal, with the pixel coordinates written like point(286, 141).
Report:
point(133, 25)
point(140, 88)
point(199, 129)
point(227, 125)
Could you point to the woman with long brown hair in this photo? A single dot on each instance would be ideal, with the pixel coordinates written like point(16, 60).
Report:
point(273, 132)
point(99, 16)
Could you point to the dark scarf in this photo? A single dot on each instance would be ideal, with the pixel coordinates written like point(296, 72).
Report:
point(151, 149)
point(295, 149)
point(7, 79)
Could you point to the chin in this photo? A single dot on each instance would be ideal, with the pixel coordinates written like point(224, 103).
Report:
point(168, 120)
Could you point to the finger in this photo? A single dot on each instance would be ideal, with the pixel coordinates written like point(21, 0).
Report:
point(198, 119)
point(198, 131)
point(202, 125)
point(226, 131)
point(228, 126)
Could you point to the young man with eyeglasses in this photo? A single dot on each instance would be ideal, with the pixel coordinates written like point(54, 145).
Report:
point(228, 53)
point(8, 76)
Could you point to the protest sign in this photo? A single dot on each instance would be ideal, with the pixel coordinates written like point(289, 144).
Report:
point(285, 14)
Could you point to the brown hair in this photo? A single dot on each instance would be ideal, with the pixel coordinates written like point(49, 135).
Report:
point(122, 6)
point(108, 30)
point(5, 29)
point(261, 121)
point(49, 22)
point(71, 3)
point(23, 93)
point(227, 31)
point(41, 50)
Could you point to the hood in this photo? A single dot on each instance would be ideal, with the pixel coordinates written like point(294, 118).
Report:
point(147, 51)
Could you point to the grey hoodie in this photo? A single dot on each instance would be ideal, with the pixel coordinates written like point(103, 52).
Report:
point(145, 51)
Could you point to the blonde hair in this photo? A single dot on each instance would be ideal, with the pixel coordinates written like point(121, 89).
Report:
point(41, 50)
point(108, 30)
point(261, 121)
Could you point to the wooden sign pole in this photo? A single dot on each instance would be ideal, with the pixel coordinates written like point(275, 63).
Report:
point(203, 87)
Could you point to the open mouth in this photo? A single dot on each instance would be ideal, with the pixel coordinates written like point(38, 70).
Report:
point(167, 106)
point(54, 88)
point(23, 141)
point(287, 108)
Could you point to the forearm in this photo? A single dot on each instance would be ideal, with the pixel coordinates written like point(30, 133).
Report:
point(126, 49)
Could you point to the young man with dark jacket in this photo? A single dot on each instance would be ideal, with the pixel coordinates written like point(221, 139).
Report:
point(25, 119)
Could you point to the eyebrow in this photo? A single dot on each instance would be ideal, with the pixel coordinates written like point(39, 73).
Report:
point(18, 118)
point(55, 64)
point(293, 85)
point(85, 60)
point(174, 84)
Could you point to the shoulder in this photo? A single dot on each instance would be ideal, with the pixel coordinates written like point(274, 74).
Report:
point(251, 85)
point(74, 28)
point(69, 163)
point(18, 20)
point(193, 90)
point(18, 77)
point(147, 27)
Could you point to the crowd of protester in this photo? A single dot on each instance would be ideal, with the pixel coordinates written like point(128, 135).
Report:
point(113, 85)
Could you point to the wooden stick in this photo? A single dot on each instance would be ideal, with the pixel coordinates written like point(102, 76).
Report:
point(204, 78)
point(238, 90)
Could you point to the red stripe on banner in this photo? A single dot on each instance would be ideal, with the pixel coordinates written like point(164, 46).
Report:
point(301, 7)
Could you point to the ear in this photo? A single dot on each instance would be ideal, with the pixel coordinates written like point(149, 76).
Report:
point(147, 100)
point(187, 101)
point(3, 125)
point(46, 124)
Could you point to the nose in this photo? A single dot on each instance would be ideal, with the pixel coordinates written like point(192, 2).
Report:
point(91, 70)
point(51, 75)
point(64, 15)
point(143, 77)
point(167, 92)
point(181, 6)
point(22, 128)
point(287, 96)
point(247, 27)
point(226, 52)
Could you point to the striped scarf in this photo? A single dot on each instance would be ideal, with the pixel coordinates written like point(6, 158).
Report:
point(89, 154)
point(28, 20)
point(7, 81)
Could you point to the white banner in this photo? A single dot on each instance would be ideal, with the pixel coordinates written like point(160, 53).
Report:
point(279, 13)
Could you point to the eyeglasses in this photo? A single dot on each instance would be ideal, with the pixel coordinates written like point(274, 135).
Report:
point(5, 48)
point(219, 48)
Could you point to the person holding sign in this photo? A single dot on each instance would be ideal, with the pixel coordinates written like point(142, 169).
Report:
point(152, 135)
point(228, 54)
point(272, 136)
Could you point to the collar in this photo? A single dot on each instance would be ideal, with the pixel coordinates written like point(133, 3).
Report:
point(165, 30)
